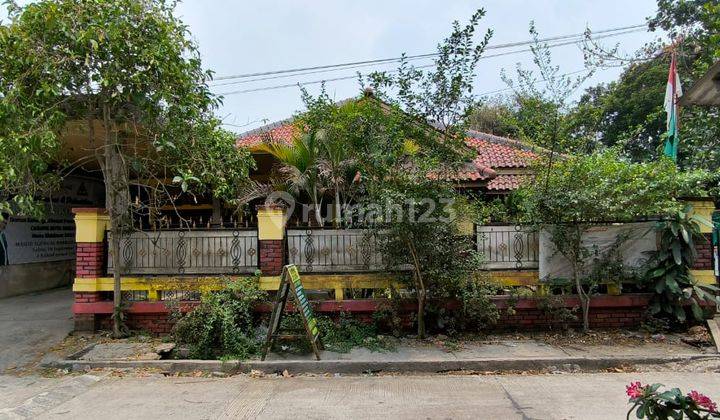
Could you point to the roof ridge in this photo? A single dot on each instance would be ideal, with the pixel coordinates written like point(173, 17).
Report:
point(266, 128)
point(492, 138)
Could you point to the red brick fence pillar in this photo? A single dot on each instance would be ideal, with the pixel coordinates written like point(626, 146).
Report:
point(90, 227)
point(703, 267)
point(271, 239)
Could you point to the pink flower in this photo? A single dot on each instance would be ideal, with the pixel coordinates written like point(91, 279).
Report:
point(635, 390)
point(703, 401)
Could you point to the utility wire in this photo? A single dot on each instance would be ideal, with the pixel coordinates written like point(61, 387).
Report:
point(314, 82)
point(420, 56)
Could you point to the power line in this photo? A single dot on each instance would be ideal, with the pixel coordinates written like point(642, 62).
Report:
point(419, 56)
point(336, 79)
point(492, 92)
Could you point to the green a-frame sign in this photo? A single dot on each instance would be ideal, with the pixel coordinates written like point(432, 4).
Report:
point(290, 281)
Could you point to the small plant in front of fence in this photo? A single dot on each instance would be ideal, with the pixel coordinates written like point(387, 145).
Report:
point(224, 324)
point(669, 274)
point(555, 308)
point(341, 335)
point(649, 402)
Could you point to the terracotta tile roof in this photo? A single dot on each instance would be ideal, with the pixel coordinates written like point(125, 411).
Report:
point(279, 131)
point(500, 152)
point(470, 172)
point(494, 154)
point(506, 182)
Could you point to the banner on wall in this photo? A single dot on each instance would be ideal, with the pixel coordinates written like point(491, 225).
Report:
point(24, 241)
point(640, 239)
point(30, 241)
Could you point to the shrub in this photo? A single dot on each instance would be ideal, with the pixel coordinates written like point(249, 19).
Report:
point(649, 403)
point(669, 274)
point(341, 336)
point(478, 310)
point(223, 325)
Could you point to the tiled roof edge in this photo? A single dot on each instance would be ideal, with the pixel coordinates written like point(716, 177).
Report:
point(506, 141)
point(265, 128)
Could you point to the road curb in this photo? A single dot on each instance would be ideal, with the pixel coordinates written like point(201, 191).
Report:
point(356, 367)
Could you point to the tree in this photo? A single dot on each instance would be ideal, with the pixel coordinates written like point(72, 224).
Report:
point(629, 112)
point(129, 70)
point(494, 116)
point(405, 163)
point(578, 191)
point(299, 166)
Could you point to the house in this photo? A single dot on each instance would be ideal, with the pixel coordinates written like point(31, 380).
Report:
point(706, 91)
point(501, 164)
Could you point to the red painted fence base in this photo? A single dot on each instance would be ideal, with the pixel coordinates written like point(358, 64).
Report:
point(626, 311)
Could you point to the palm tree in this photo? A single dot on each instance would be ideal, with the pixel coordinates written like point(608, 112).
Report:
point(299, 168)
point(337, 168)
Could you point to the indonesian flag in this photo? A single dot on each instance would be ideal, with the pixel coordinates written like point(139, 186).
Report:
point(673, 92)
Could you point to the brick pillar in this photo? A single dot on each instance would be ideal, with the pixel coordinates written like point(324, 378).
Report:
point(271, 243)
point(703, 267)
point(90, 226)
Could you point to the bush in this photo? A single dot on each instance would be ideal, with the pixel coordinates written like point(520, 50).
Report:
point(649, 403)
point(341, 336)
point(669, 274)
point(478, 310)
point(223, 325)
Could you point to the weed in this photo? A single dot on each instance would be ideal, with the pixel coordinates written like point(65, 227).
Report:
point(223, 325)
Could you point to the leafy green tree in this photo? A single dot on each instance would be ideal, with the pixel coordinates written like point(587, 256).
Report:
point(299, 166)
point(128, 69)
point(578, 191)
point(541, 101)
point(629, 112)
point(405, 163)
point(494, 116)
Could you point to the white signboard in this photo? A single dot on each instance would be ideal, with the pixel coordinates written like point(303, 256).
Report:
point(641, 238)
point(28, 241)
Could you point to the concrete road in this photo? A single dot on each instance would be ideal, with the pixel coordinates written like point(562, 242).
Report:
point(31, 324)
point(566, 396)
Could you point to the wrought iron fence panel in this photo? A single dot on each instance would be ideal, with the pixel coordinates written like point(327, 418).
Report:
point(187, 252)
point(334, 250)
point(508, 247)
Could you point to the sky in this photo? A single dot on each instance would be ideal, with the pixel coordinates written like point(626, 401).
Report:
point(239, 37)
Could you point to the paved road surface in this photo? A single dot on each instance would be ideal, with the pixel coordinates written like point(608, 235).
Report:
point(566, 396)
point(31, 324)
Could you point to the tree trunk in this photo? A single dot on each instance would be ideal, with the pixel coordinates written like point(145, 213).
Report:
point(584, 298)
point(217, 209)
point(117, 197)
point(420, 288)
point(421, 310)
point(336, 221)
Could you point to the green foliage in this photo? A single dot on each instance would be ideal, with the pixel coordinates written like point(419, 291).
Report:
point(478, 310)
point(628, 113)
point(443, 94)
point(347, 333)
point(223, 325)
point(669, 273)
point(539, 111)
point(129, 74)
point(605, 187)
point(404, 163)
point(494, 116)
point(342, 335)
point(602, 187)
point(128, 64)
point(554, 307)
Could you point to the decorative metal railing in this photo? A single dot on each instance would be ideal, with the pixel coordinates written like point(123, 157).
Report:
point(508, 247)
point(213, 251)
point(334, 250)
